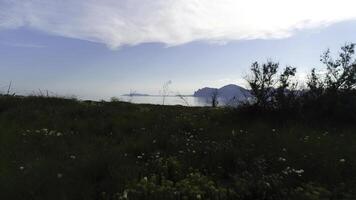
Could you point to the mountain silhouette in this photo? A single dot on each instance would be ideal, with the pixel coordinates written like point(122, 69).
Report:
point(227, 92)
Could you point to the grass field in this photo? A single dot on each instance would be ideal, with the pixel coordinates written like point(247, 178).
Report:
point(53, 148)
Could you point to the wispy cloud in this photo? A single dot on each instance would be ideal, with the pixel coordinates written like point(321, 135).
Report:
point(22, 45)
point(172, 22)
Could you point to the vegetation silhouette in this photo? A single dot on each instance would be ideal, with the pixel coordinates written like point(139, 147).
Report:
point(329, 95)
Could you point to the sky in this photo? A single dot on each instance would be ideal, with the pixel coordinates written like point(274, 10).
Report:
point(99, 49)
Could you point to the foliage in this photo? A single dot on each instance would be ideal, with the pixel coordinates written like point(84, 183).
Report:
point(53, 148)
point(262, 82)
point(341, 73)
point(214, 98)
point(285, 94)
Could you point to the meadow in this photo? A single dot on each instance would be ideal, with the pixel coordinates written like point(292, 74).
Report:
point(57, 148)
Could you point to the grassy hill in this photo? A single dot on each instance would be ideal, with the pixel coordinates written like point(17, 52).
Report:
point(53, 148)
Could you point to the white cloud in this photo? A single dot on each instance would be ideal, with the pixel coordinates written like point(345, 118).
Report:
point(172, 22)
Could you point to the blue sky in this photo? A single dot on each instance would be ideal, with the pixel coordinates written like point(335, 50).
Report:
point(49, 52)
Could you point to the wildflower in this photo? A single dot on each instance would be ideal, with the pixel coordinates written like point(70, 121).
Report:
point(299, 171)
point(59, 175)
point(233, 132)
point(193, 151)
point(282, 159)
point(273, 130)
point(287, 170)
point(153, 141)
point(21, 168)
point(180, 151)
point(139, 157)
point(284, 150)
point(59, 134)
point(342, 160)
point(145, 178)
point(72, 157)
point(125, 154)
point(198, 196)
point(125, 194)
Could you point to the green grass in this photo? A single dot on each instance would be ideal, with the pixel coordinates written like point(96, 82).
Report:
point(53, 148)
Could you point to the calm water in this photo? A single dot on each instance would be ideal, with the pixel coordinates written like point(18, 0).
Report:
point(171, 100)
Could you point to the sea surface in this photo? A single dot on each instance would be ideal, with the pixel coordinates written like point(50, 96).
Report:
point(173, 100)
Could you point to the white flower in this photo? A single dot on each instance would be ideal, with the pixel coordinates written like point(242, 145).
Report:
point(59, 134)
point(282, 159)
point(72, 157)
point(59, 175)
point(342, 160)
point(299, 171)
point(145, 178)
point(21, 168)
point(273, 130)
point(153, 141)
point(125, 195)
point(198, 196)
point(139, 157)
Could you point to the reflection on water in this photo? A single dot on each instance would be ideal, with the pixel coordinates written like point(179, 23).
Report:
point(175, 100)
